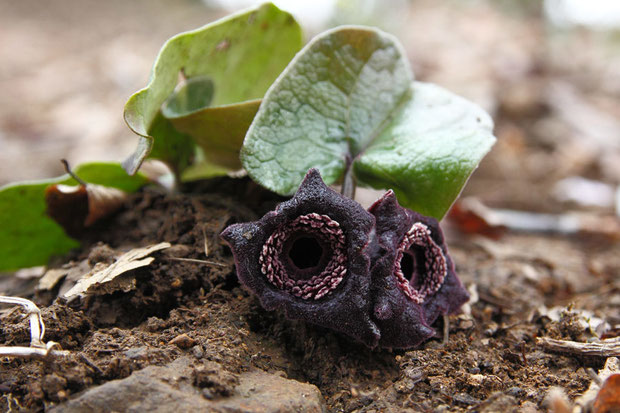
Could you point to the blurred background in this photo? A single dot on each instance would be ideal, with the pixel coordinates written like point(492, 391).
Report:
point(547, 71)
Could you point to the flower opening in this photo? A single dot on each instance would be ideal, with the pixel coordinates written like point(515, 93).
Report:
point(420, 264)
point(306, 257)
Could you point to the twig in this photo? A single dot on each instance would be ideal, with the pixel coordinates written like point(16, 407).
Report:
point(197, 261)
point(523, 353)
point(446, 330)
point(37, 349)
point(50, 349)
point(603, 348)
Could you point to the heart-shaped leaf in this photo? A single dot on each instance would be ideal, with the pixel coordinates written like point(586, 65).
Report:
point(239, 56)
point(349, 98)
point(28, 236)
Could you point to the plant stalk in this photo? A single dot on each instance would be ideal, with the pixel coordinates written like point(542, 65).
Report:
point(348, 184)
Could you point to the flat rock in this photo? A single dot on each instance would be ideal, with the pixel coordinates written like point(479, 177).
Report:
point(170, 388)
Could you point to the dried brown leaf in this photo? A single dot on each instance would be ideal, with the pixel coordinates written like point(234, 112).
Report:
point(78, 207)
point(129, 261)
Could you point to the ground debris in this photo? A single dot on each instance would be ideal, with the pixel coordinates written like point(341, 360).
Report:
point(603, 395)
point(602, 348)
point(129, 261)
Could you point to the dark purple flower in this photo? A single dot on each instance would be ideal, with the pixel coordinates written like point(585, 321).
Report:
point(310, 258)
point(413, 278)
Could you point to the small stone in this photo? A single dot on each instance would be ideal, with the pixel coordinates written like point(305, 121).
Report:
point(183, 341)
point(101, 253)
point(415, 373)
point(52, 385)
point(212, 376)
point(466, 324)
point(208, 394)
point(169, 389)
point(466, 399)
point(154, 324)
point(528, 407)
point(515, 391)
point(137, 353)
point(36, 391)
point(197, 352)
point(475, 379)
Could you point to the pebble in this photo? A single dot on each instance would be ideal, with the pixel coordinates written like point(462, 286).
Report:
point(183, 341)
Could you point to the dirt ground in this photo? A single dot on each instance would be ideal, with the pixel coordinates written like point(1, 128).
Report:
point(491, 361)
point(556, 117)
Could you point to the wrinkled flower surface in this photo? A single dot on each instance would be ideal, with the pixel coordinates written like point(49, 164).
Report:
point(310, 258)
point(380, 276)
point(413, 278)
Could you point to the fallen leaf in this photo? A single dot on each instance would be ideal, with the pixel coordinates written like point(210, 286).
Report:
point(28, 236)
point(472, 216)
point(469, 219)
point(605, 397)
point(51, 278)
point(608, 398)
point(129, 261)
point(78, 207)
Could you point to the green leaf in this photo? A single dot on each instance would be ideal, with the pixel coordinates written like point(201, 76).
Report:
point(428, 150)
point(218, 130)
point(349, 97)
point(28, 237)
point(326, 106)
point(240, 56)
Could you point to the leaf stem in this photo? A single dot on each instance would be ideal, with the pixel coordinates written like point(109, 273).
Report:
point(71, 173)
point(348, 184)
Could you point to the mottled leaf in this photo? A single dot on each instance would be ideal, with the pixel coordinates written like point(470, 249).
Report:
point(349, 97)
point(240, 55)
point(28, 236)
point(326, 106)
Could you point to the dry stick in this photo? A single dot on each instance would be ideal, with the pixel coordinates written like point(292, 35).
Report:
point(37, 349)
point(446, 329)
point(603, 348)
point(523, 353)
point(37, 328)
point(197, 261)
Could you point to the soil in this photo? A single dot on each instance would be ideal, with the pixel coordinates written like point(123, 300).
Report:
point(490, 361)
